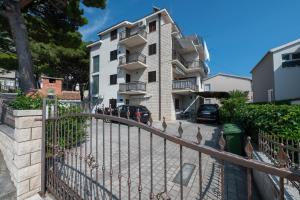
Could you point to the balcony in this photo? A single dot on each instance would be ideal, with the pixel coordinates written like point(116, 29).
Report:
point(184, 86)
point(133, 61)
point(133, 38)
point(132, 88)
point(185, 67)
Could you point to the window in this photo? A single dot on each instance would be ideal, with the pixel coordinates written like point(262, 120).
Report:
point(295, 56)
point(51, 80)
point(113, 79)
point(127, 101)
point(113, 55)
point(95, 64)
point(152, 49)
point(152, 26)
point(291, 60)
point(206, 87)
point(152, 76)
point(113, 34)
point(177, 104)
point(285, 56)
point(95, 85)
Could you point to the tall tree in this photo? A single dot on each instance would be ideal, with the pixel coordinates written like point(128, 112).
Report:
point(61, 10)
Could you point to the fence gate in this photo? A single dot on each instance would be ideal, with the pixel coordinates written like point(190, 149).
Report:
point(103, 156)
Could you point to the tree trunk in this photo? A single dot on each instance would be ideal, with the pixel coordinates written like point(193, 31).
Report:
point(20, 36)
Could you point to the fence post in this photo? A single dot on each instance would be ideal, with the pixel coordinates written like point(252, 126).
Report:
point(43, 154)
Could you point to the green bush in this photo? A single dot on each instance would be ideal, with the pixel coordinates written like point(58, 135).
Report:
point(282, 120)
point(23, 102)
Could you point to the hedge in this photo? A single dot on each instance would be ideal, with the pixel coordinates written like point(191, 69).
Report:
point(282, 120)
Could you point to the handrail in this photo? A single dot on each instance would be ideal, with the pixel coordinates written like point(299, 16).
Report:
point(133, 57)
point(184, 84)
point(291, 174)
point(136, 85)
point(129, 33)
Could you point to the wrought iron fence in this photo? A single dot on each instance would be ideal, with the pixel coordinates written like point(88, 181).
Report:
point(134, 57)
point(270, 144)
point(96, 156)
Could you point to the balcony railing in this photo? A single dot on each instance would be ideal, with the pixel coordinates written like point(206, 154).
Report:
point(177, 56)
point(134, 57)
point(132, 86)
point(127, 34)
point(184, 84)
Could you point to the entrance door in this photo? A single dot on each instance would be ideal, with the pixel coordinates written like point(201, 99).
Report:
point(113, 103)
point(127, 78)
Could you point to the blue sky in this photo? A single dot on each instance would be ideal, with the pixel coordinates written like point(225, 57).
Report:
point(238, 32)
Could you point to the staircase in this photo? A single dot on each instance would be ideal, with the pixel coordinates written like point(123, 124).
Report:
point(7, 188)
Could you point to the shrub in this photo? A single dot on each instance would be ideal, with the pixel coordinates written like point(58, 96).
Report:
point(23, 102)
point(282, 120)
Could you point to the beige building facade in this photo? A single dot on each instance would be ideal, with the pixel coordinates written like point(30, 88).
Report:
point(227, 83)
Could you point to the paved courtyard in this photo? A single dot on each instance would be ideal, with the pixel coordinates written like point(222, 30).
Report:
point(234, 180)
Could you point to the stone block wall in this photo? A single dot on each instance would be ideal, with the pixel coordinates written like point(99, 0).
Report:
point(21, 148)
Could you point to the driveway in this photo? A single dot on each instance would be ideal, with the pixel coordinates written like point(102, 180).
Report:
point(99, 149)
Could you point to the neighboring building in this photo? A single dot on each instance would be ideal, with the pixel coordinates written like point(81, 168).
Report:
point(226, 83)
point(147, 62)
point(277, 75)
point(7, 79)
point(51, 86)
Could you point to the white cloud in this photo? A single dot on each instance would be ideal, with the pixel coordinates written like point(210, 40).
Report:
point(96, 23)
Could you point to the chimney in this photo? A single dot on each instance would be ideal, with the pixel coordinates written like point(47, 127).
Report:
point(155, 9)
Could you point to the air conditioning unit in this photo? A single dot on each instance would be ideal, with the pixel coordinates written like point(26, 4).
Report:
point(142, 24)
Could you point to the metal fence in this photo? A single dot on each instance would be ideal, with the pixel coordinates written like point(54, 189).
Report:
point(133, 57)
point(185, 84)
point(129, 33)
point(96, 156)
point(132, 86)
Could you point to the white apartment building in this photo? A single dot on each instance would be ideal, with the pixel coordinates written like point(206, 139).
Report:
point(147, 62)
point(276, 77)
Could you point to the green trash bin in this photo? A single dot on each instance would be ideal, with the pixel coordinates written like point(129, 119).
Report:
point(233, 136)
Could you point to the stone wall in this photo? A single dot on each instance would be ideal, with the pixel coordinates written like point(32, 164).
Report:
point(21, 148)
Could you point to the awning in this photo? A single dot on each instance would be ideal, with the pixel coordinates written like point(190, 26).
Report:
point(210, 94)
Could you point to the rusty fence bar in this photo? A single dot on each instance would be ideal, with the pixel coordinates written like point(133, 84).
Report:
point(75, 146)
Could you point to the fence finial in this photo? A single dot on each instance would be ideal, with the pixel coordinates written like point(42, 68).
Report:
point(282, 157)
point(150, 120)
point(180, 130)
point(110, 110)
point(249, 148)
point(199, 136)
point(138, 115)
point(164, 124)
point(128, 113)
point(222, 141)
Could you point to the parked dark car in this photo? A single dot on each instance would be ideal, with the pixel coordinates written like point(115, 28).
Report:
point(145, 113)
point(208, 112)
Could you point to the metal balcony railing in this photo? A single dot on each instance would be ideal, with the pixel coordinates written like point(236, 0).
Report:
point(184, 84)
point(128, 33)
point(130, 58)
point(132, 86)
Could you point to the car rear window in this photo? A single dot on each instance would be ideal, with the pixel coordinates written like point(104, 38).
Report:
point(209, 107)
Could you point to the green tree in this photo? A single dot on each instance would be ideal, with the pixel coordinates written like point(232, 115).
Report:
point(51, 22)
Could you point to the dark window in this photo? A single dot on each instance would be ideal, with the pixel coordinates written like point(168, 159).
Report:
point(292, 63)
point(113, 55)
point(127, 78)
point(152, 49)
point(95, 64)
point(127, 101)
point(285, 56)
point(176, 103)
point(113, 103)
point(152, 26)
point(95, 85)
point(114, 34)
point(296, 56)
point(152, 76)
point(113, 79)
point(51, 80)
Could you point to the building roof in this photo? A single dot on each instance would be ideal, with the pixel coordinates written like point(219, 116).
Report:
point(48, 77)
point(229, 75)
point(7, 74)
point(94, 43)
point(70, 95)
point(275, 49)
point(128, 23)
